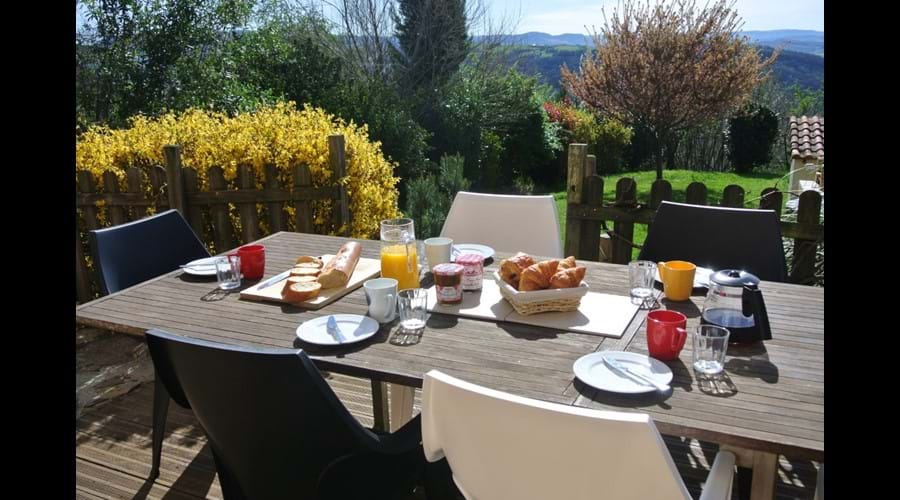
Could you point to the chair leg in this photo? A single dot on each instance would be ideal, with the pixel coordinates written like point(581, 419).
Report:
point(744, 482)
point(160, 413)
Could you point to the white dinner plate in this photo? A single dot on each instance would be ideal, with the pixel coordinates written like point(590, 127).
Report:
point(701, 277)
point(591, 370)
point(201, 267)
point(459, 249)
point(351, 327)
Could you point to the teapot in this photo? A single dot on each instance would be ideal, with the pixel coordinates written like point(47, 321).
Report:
point(736, 302)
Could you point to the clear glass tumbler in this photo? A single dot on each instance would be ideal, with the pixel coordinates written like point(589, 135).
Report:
point(413, 308)
point(710, 346)
point(641, 274)
point(228, 272)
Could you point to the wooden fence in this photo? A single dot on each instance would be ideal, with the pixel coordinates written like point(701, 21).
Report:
point(208, 212)
point(586, 210)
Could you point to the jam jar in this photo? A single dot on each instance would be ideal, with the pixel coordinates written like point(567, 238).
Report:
point(473, 270)
point(448, 283)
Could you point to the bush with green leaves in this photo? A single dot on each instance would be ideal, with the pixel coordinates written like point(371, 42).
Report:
point(751, 134)
point(430, 196)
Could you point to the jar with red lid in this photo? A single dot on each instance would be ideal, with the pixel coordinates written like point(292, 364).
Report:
point(473, 270)
point(448, 283)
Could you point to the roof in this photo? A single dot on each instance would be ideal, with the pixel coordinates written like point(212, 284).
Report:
point(808, 138)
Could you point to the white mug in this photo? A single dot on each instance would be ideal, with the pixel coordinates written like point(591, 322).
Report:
point(438, 251)
point(381, 296)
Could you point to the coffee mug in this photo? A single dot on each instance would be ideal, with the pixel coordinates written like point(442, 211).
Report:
point(381, 296)
point(438, 251)
point(678, 279)
point(253, 261)
point(666, 333)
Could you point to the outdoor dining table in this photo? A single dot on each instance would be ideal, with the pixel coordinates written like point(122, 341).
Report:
point(770, 402)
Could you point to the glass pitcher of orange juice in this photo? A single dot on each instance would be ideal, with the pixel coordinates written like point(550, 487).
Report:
point(398, 252)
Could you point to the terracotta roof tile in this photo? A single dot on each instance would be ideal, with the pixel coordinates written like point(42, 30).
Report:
point(808, 138)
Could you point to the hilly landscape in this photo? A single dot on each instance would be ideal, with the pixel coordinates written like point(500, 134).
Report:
point(801, 61)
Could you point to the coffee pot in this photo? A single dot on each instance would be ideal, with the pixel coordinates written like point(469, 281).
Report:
point(736, 302)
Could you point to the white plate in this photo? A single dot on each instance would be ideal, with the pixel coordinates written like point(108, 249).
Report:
point(591, 370)
point(701, 277)
point(201, 267)
point(353, 328)
point(486, 251)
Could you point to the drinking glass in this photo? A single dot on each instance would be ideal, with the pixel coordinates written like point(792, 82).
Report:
point(228, 272)
point(710, 345)
point(641, 274)
point(413, 308)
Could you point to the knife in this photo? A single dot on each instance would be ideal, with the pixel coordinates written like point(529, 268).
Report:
point(618, 367)
point(274, 279)
point(332, 328)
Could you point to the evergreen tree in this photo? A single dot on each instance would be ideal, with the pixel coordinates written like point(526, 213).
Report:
point(433, 40)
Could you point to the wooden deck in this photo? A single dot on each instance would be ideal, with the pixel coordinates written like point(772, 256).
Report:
point(113, 451)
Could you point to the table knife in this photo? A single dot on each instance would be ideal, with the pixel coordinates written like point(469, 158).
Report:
point(618, 367)
point(274, 279)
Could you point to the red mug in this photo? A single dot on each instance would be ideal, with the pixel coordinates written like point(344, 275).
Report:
point(253, 261)
point(666, 333)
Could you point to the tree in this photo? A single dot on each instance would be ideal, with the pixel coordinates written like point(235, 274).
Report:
point(433, 40)
point(667, 68)
point(751, 133)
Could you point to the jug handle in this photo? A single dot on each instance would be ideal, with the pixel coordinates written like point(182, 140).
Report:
point(752, 303)
point(661, 266)
point(678, 339)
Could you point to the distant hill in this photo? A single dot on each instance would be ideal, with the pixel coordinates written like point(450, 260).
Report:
point(810, 42)
point(791, 67)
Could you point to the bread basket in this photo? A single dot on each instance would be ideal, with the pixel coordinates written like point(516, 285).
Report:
point(539, 301)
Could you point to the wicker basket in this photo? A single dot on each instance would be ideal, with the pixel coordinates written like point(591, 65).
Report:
point(539, 301)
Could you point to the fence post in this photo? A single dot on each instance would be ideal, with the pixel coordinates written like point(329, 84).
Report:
point(338, 161)
point(574, 192)
point(696, 193)
point(302, 208)
point(770, 199)
point(589, 247)
point(626, 197)
point(221, 221)
point(733, 196)
point(82, 276)
point(803, 267)
point(134, 186)
point(174, 180)
point(115, 214)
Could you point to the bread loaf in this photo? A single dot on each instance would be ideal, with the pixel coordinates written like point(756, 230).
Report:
point(299, 292)
point(338, 270)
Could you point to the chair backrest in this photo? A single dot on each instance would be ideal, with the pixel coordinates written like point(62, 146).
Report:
point(501, 446)
point(130, 253)
point(272, 421)
point(506, 223)
point(718, 238)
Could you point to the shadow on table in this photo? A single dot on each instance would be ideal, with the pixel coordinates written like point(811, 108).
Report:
point(751, 360)
point(719, 385)
point(687, 307)
point(529, 332)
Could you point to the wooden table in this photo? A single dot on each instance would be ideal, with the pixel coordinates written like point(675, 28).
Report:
point(772, 401)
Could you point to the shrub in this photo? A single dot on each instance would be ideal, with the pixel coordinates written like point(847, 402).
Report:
point(430, 197)
point(606, 138)
point(751, 134)
point(278, 134)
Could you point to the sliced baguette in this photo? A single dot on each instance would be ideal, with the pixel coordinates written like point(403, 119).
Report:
point(309, 259)
point(305, 271)
point(299, 292)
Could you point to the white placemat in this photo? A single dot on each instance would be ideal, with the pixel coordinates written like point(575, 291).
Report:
point(599, 313)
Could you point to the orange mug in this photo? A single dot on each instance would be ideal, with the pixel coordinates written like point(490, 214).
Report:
point(678, 279)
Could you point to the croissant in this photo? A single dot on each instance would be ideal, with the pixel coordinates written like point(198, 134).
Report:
point(568, 278)
point(567, 263)
point(537, 276)
point(511, 268)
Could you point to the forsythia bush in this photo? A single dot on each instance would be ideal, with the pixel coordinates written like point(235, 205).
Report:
point(279, 134)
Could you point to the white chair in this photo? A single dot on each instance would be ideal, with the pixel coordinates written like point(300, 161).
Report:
point(506, 223)
point(501, 446)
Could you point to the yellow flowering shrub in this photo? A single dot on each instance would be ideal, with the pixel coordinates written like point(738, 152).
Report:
point(280, 134)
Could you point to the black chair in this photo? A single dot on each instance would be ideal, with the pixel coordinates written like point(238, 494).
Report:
point(277, 430)
point(718, 238)
point(131, 253)
point(128, 254)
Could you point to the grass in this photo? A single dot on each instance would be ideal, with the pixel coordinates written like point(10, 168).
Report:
point(715, 183)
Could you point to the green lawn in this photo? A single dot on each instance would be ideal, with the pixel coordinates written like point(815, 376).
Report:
point(715, 182)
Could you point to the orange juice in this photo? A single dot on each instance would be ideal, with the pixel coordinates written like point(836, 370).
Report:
point(394, 265)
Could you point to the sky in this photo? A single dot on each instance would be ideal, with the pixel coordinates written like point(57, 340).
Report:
point(579, 16)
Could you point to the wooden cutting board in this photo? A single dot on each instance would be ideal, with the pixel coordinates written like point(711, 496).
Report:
point(365, 269)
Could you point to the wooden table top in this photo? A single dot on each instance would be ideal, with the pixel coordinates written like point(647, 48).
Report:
point(772, 400)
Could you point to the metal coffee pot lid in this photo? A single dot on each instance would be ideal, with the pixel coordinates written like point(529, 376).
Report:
point(734, 277)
